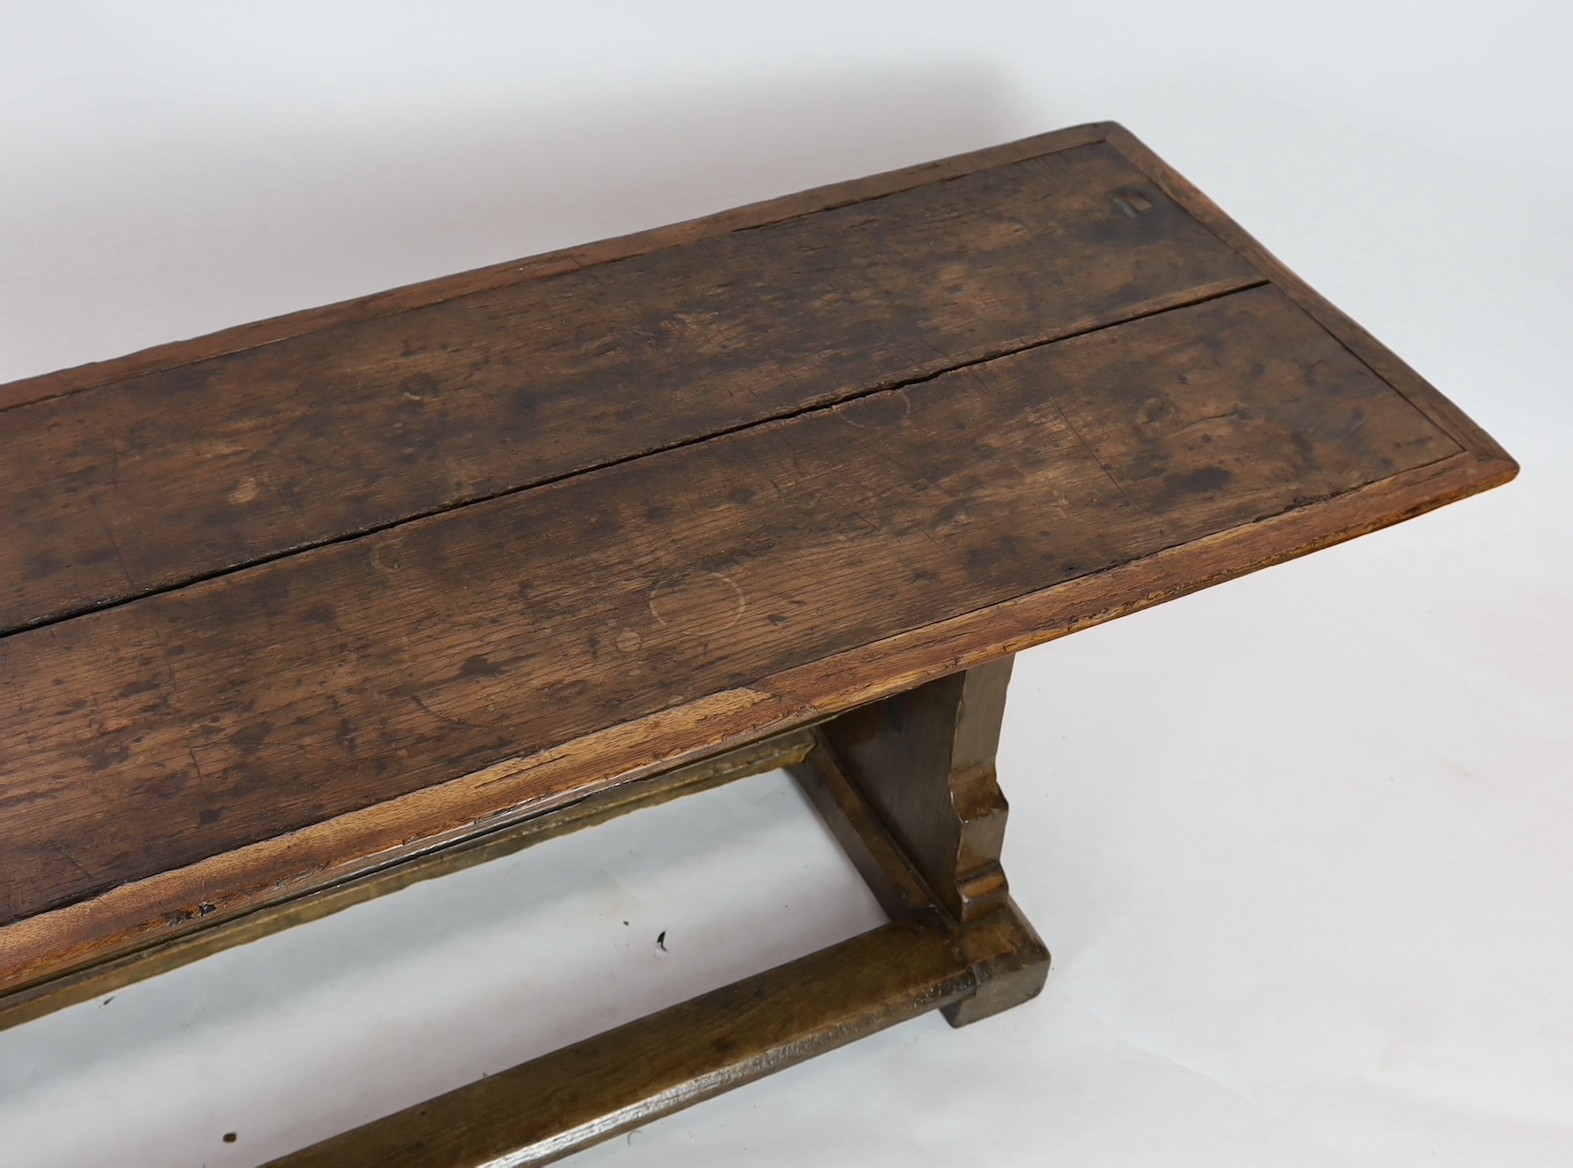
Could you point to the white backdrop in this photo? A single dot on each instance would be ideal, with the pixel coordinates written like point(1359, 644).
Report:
point(1300, 843)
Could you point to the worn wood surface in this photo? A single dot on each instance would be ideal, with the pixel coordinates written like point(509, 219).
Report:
point(95, 981)
point(924, 760)
point(971, 959)
point(908, 787)
point(546, 1109)
point(149, 481)
point(429, 292)
point(588, 1092)
point(863, 837)
point(441, 646)
point(988, 447)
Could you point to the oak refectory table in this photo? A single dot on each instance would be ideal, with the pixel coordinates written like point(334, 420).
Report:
point(301, 612)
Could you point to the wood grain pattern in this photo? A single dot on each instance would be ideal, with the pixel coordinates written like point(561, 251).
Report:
point(406, 658)
point(429, 292)
point(970, 961)
point(865, 840)
point(170, 904)
point(540, 1111)
point(1381, 360)
point(214, 933)
point(150, 481)
point(924, 761)
point(196, 754)
point(908, 786)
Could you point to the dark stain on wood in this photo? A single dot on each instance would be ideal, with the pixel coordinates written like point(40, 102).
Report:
point(846, 538)
point(600, 494)
point(139, 484)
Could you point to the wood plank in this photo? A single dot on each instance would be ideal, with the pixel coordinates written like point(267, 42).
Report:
point(133, 486)
point(543, 1110)
point(216, 934)
point(429, 292)
point(1382, 361)
point(884, 866)
point(138, 913)
point(924, 763)
point(725, 588)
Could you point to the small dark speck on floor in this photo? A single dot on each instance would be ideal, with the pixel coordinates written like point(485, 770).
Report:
point(229, 1137)
point(660, 942)
point(625, 922)
point(107, 1000)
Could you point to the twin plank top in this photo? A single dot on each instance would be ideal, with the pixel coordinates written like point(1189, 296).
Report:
point(300, 598)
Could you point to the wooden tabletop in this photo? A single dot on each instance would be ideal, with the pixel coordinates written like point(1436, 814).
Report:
point(292, 600)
